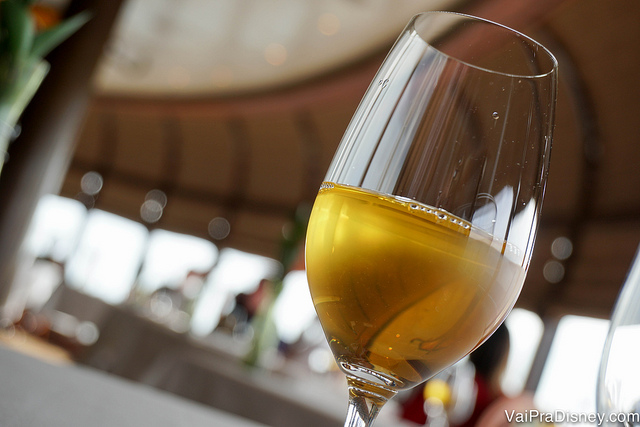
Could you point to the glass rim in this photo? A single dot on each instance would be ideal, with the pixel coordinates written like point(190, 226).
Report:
point(532, 41)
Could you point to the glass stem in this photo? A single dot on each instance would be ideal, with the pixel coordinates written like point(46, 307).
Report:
point(364, 405)
point(362, 412)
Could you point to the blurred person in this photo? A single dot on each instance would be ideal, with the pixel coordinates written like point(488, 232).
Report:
point(489, 362)
point(173, 304)
point(246, 306)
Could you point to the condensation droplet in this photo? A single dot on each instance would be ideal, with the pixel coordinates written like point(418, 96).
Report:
point(495, 115)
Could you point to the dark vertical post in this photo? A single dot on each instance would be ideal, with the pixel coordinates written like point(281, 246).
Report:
point(39, 158)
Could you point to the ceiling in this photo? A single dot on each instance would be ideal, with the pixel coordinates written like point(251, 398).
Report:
point(196, 47)
point(189, 100)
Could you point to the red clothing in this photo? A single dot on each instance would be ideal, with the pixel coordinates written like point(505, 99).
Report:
point(413, 407)
point(484, 398)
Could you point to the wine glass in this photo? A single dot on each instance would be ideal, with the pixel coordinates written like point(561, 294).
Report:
point(421, 235)
point(618, 390)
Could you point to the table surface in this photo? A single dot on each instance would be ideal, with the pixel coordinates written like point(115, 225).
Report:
point(34, 393)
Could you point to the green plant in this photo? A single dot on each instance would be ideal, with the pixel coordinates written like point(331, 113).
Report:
point(23, 47)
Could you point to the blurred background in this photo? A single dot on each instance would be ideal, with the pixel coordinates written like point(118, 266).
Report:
point(154, 201)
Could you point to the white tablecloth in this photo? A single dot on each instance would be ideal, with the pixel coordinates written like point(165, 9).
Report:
point(37, 394)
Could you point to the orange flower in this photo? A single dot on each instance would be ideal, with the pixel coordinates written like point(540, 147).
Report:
point(45, 16)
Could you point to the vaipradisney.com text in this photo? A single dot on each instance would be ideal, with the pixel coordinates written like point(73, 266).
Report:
point(559, 416)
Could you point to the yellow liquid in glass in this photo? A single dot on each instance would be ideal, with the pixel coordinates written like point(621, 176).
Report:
point(402, 289)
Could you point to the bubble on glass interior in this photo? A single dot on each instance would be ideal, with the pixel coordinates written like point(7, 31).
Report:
point(439, 215)
point(326, 186)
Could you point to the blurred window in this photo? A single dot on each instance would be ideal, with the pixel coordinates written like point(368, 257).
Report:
point(525, 331)
point(171, 256)
point(294, 311)
point(104, 255)
point(235, 272)
point(568, 380)
point(108, 256)
point(56, 227)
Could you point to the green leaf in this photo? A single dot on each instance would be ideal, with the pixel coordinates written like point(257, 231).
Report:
point(46, 41)
point(15, 97)
point(20, 29)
